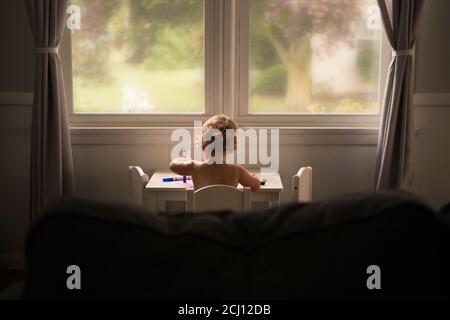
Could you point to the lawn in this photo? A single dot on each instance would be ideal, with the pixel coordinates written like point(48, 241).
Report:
point(166, 90)
point(170, 91)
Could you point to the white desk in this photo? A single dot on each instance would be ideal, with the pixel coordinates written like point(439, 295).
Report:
point(157, 192)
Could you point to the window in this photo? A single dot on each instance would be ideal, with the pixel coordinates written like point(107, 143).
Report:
point(314, 56)
point(261, 61)
point(139, 56)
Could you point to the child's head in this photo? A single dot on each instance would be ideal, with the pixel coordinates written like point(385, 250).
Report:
point(221, 123)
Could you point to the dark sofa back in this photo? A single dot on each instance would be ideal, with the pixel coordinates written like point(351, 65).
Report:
point(319, 250)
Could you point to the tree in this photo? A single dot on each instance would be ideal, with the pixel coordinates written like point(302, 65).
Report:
point(90, 44)
point(289, 26)
point(137, 25)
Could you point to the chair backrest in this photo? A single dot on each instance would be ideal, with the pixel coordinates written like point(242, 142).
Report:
point(137, 181)
point(302, 185)
point(218, 197)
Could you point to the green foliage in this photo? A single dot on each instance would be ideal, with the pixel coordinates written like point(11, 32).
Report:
point(177, 48)
point(90, 44)
point(91, 66)
point(149, 19)
point(271, 81)
point(262, 53)
point(366, 63)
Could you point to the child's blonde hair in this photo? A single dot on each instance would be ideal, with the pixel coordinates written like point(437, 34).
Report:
point(222, 123)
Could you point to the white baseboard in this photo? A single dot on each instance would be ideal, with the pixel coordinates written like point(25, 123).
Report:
point(12, 262)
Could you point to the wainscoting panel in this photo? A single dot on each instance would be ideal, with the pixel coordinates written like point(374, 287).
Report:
point(432, 112)
point(336, 169)
point(14, 183)
point(432, 153)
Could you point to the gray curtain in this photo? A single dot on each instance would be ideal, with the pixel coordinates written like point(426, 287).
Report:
point(51, 154)
point(395, 166)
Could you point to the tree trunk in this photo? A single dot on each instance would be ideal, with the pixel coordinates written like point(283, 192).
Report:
point(298, 93)
point(142, 36)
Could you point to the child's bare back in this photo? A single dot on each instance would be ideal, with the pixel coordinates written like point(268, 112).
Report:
point(206, 173)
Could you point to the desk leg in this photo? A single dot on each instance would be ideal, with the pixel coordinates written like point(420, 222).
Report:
point(146, 200)
point(161, 204)
point(275, 200)
point(152, 199)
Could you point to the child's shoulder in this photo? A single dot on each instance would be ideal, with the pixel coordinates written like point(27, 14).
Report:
point(234, 167)
point(225, 166)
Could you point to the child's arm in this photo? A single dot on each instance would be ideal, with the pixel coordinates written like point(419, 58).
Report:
point(248, 180)
point(182, 166)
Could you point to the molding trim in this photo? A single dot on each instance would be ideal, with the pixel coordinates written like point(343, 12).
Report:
point(431, 99)
point(16, 98)
point(162, 136)
point(12, 262)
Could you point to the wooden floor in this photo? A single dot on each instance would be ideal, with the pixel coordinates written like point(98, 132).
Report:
point(9, 277)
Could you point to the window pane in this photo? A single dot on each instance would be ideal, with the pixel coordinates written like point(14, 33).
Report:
point(317, 56)
point(138, 56)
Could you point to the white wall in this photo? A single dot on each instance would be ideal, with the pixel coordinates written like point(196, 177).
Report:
point(16, 75)
point(343, 160)
point(14, 180)
point(432, 101)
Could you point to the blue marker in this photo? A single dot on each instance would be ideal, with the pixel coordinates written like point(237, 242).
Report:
point(184, 179)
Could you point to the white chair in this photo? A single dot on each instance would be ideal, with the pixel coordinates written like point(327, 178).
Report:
point(302, 185)
point(137, 182)
point(218, 197)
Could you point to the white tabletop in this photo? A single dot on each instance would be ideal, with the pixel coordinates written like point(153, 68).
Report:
point(273, 182)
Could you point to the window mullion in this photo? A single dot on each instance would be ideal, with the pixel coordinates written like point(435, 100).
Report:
point(228, 51)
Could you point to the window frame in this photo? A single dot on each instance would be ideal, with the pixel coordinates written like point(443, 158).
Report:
point(226, 82)
point(241, 22)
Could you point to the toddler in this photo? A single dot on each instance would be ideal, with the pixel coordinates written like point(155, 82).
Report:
point(206, 173)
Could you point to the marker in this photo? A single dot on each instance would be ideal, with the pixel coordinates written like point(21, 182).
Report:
point(184, 179)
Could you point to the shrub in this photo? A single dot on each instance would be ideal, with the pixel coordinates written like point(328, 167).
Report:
point(366, 61)
point(271, 81)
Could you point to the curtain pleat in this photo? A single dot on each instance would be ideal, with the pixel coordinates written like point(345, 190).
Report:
point(396, 163)
point(52, 175)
